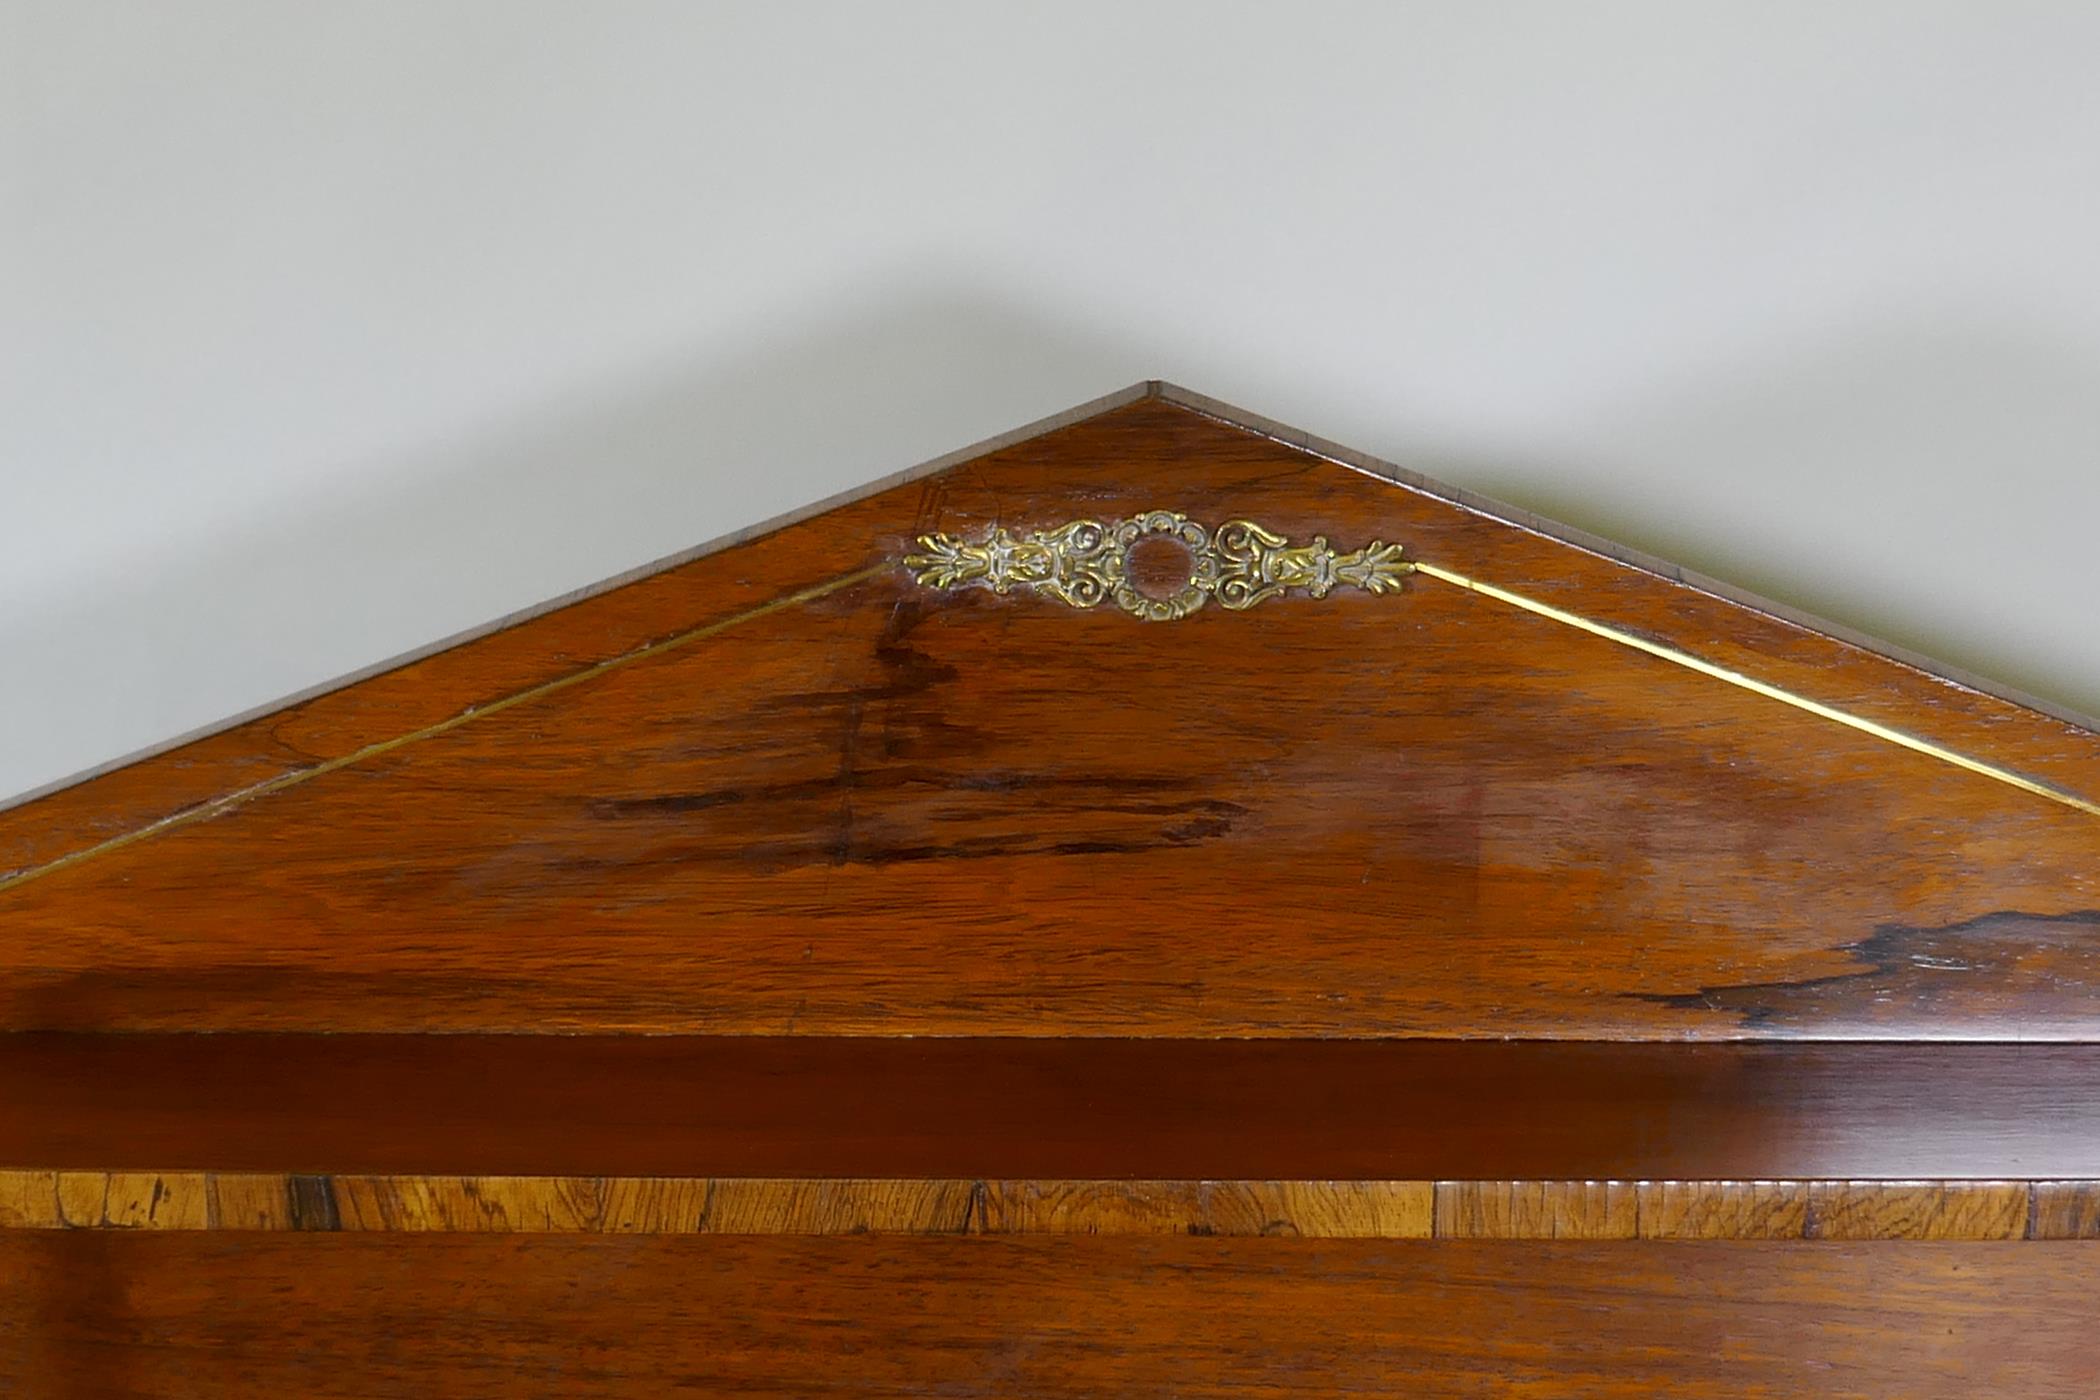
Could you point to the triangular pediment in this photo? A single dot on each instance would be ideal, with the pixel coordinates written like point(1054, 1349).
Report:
point(1156, 720)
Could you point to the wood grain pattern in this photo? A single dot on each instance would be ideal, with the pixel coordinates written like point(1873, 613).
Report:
point(730, 1206)
point(113, 1315)
point(1036, 1109)
point(134, 1200)
point(1474, 1210)
point(2066, 1210)
point(1734, 1210)
point(1361, 995)
point(892, 811)
point(1969, 1210)
point(1537, 1210)
point(29, 1201)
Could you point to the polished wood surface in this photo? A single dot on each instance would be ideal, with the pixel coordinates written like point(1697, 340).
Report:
point(769, 791)
point(1459, 1210)
point(1544, 978)
point(111, 1315)
point(1031, 1108)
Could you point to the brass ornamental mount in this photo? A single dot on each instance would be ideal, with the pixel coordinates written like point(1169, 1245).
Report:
point(1084, 563)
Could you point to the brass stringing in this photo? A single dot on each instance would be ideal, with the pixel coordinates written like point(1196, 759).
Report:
point(1087, 562)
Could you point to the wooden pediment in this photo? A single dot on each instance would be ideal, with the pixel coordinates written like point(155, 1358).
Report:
point(1154, 720)
point(1140, 842)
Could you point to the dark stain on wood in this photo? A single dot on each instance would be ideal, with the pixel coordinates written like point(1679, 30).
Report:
point(311, 1203)
point(1980, 969)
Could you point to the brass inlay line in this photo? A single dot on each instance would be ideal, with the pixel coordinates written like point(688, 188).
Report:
point(228, 801)
point(1758, 687)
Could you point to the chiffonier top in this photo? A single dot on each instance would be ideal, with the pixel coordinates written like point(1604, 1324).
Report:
point(1151, 905)
point(1153, 720)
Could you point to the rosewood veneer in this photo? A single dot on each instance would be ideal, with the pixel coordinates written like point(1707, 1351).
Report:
point(1152, 905)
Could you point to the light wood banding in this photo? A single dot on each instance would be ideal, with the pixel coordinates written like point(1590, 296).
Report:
point(1499, 1210)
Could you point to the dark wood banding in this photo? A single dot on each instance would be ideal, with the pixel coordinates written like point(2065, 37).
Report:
point(110, 1314)
point(1310, 1110)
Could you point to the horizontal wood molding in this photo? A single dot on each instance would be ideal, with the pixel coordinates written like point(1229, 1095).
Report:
point(112, 1313)
point(1041, 1109)
point(1457, 1210)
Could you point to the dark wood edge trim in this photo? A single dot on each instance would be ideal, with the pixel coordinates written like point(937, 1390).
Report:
point(1050, 1108)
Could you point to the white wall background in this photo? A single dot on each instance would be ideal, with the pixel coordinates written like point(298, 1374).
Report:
point(330, 328)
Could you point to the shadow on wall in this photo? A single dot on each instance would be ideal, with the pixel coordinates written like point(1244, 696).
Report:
point(1942, 429)
point(445, 539)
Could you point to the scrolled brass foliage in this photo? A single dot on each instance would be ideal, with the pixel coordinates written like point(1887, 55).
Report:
point(1084, 563)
